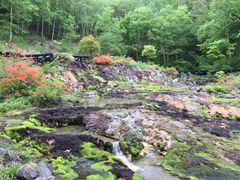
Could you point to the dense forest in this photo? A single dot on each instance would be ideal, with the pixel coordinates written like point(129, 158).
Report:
point(188, 34)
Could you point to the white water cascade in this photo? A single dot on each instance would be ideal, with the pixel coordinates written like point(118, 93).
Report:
point(118, 153)
point(144, 167)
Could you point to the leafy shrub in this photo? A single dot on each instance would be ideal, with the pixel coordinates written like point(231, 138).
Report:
point(20, 80)
point(51, 68)
point(3, 64)
point(123, 60)
point(48, 92)
point(213, 88)
point(234, 102)
point(89, 46)
point(65, 57)
point(145, 65)
point(102, 60)
point(2, 47)
point(149, 52)
point(171, 71)
point(220, 76)
point(232, 83)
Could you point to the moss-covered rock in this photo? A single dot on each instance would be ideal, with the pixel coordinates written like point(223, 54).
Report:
point(105, 162)
point(63, 168)
point(29, 127)
point(131, 145)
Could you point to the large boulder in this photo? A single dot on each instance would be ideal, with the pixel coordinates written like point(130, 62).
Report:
point(35, 171)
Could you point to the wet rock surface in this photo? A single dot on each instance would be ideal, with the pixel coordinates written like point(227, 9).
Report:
point(35, 171)
point(67, 145)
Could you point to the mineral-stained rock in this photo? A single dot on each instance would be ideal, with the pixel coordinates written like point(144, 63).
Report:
point(226, 111)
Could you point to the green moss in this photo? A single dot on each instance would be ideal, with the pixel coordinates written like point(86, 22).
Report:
point(234, 102)
point(32, 123)
point(101, 166)
point(173, 161)
point(89, 151)
point(156, 88)
point(220, 163)
point(108, 146)
point(196, 160)
point(63, 168)
point(106, 168)
point(214, 88)
point(131, 145)
point(35, 146)
point(203, 112)
point(135, 151)
point(233, 142)
point(137, 177)
point(95, 177)
point(123, 145)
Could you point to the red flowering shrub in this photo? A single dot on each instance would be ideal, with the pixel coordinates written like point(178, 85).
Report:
point(19, 80)
point(102, 60)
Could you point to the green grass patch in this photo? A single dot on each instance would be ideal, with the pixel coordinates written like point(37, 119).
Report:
point(157, 88)
point(214, 88)
point(9, 172)
point(234, 102)
point(218, 162)
point(14, 104)
point(145, 65)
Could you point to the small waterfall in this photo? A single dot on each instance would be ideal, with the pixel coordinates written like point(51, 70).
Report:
point(118, 153)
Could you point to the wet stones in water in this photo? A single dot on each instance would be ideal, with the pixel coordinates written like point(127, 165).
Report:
point(121, 171)
point(83, 167)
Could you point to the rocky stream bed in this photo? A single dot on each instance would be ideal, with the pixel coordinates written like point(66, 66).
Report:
point(125, 123)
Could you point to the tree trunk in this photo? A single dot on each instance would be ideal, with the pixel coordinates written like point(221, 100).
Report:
point(22, 25)
point(164, 57)
point(11, 24)
point(38, 25)
point(42, 27)
point(59, 30)
point(238, 50)
point(53, 29)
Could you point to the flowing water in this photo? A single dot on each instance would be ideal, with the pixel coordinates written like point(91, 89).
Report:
point(144, 166)
point(117, 152)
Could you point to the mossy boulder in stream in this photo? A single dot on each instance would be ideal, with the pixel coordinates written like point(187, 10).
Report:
point(105, 163)
point(63, 168)
point(131, 145)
